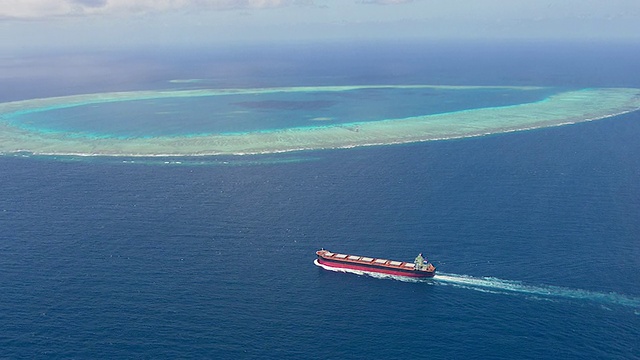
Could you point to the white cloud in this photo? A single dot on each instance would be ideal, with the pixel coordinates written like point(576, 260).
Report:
point(34, 9)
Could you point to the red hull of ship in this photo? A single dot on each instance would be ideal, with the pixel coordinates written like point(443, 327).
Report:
point(413, 274)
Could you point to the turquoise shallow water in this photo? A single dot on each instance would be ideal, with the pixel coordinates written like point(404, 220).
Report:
point(256, 112)
point(562, 108)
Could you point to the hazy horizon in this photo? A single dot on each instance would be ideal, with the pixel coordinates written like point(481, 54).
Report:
point(109, 24)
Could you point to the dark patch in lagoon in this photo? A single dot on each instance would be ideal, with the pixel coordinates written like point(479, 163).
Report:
point(285, 105)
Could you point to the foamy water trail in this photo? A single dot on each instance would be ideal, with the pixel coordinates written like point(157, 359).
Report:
point(501, 286)
point(489, 284)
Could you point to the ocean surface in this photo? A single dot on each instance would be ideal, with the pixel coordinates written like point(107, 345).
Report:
point(535, 234)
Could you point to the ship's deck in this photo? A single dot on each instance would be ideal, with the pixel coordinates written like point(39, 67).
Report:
point(400, 265)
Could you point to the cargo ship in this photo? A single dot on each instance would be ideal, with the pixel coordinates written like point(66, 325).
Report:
point(419, 268)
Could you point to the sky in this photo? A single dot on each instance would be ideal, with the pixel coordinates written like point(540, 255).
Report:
point(106, 24)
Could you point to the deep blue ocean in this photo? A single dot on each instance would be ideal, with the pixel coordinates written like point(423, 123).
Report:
point(536, 233)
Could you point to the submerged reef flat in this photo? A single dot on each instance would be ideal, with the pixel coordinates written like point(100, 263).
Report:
point(566, 107)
